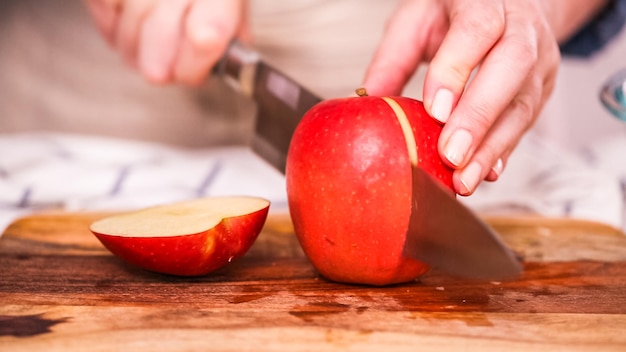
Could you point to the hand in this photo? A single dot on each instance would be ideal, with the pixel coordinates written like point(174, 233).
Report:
point(511, 48)
point(170, 41)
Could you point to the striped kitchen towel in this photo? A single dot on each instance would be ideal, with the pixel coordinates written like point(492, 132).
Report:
point(40, 171)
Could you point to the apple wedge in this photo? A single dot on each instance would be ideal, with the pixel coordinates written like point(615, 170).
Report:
point(189, 238)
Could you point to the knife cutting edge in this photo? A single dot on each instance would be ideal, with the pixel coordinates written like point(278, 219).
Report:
point(281, 102)
point(449, 236)
point(442, 232)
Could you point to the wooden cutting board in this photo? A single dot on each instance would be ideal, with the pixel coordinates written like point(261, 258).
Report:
point(61, 290)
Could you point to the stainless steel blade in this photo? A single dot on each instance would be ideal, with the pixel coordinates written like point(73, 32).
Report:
point(449, 236)
point(281, 102)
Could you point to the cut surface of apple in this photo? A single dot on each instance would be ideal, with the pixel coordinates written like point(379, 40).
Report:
point(188, 238)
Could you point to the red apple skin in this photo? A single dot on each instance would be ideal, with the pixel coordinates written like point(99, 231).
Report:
point(190, 255)
point(349, 185)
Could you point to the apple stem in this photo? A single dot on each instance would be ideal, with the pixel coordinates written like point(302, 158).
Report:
point(362, 92)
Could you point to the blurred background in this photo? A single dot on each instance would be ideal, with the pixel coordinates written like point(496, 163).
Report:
point(80, 131)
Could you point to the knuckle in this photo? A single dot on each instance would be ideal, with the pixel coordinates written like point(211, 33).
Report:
point(525, 109)
point(484, 24)
point(456, 75)
point(520, 51)
point(489, 154)
point(549, 80)
point(525, 47)
point(480, 116)
point(547, 87)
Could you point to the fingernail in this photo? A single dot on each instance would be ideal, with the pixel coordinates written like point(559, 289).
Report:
point(470, 177)
point(442, 105)
point(498, 167)
point(457, 147)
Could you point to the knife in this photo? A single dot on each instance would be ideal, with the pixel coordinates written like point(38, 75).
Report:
point(442, 232)
point(280, 101)
point(449, 236)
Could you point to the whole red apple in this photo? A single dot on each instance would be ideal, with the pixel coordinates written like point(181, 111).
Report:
point(349, 185)
point(188, 238)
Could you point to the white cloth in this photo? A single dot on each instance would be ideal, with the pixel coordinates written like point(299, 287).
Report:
point(79, 173)
point(541, 178)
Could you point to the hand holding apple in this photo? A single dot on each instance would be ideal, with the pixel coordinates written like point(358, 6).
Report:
point(349, 185)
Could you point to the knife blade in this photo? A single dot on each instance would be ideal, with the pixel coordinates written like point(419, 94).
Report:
point(281, 102)
point(449, 236)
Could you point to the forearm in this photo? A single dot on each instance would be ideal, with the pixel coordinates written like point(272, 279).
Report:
point(566, 17)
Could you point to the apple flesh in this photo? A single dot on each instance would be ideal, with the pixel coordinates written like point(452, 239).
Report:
point(188, 238)
point(349, 185)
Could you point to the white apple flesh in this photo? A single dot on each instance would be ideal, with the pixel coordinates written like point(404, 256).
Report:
point(188, 238)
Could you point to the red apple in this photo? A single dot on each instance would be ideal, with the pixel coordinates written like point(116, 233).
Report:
point(349, 185)
point(188, 238)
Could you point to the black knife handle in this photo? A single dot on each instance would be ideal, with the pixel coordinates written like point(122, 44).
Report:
point(238, 67)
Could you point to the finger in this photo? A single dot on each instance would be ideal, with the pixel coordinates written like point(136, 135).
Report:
point(498, 168)
point(159, 40)
point(489, 159)
point(129, 26)
point(409, 30)
point(496, 84)
point(113, 3)
point(105, 14)
point(209, 27)
point(546, 90)
point(475, 27)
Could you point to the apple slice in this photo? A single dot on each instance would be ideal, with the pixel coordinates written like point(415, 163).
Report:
point(189, 238)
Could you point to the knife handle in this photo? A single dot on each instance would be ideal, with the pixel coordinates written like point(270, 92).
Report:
point(238, 67)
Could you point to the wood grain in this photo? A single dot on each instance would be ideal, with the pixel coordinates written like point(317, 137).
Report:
point(61, 290)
